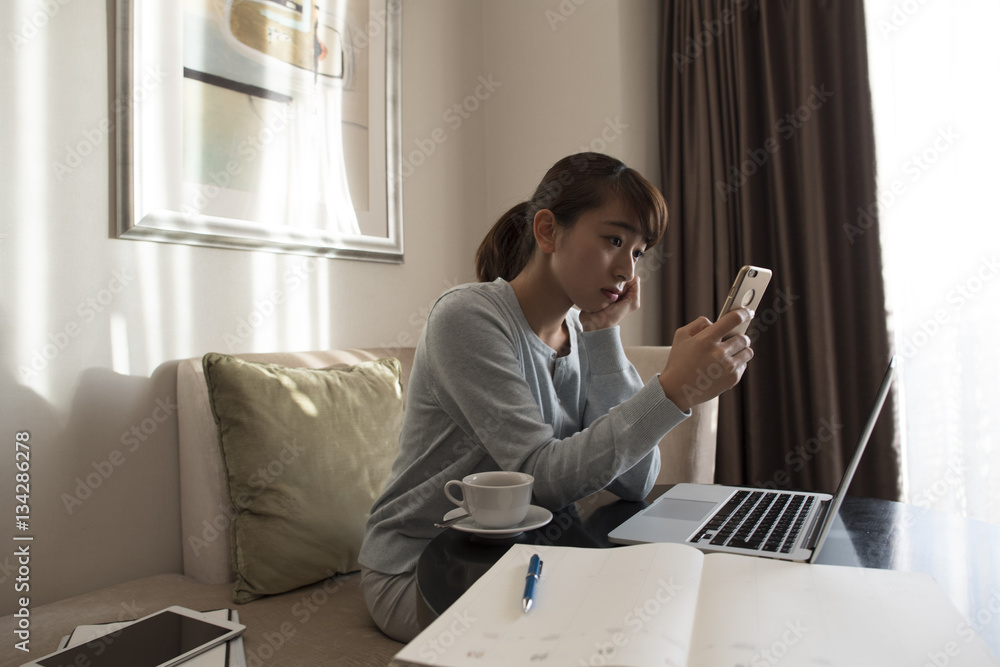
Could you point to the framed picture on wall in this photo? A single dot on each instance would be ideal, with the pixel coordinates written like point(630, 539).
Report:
point(261, 124)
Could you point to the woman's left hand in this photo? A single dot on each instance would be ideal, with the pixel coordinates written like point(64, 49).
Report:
point(613, 313)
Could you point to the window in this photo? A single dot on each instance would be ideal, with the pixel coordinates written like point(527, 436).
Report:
point(934, 70)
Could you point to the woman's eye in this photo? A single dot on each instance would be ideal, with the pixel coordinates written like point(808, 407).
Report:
point(615, 241)
point(638, 254)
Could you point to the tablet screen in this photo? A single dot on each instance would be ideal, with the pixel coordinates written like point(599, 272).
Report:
point(146, 643)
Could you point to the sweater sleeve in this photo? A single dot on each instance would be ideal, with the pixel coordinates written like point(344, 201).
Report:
point(612, 379)
point(482, 381)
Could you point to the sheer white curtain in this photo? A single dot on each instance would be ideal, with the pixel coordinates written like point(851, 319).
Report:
point(935, 77)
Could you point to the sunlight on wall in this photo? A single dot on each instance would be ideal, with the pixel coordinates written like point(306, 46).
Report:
point(268, 301)
point(934, 69)
point(180, 289)
point(321, 307)
point(152, 327)
point(36, 342)
point(120, 362)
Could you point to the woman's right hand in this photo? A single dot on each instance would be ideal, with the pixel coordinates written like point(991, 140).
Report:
point(701, 364)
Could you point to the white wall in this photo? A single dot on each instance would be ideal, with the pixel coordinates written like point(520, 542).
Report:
point(577, 75)
point(89, 324)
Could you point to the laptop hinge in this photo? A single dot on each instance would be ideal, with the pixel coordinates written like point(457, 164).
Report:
point(817, 523)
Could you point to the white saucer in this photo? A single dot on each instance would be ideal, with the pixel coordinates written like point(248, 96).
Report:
point(536, 518)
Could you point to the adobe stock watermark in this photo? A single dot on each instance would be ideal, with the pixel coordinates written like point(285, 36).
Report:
point(766, 318)
point(652, 261)
point(566, 9)
point(261, 652)
point(263, 310)
point(75, 154)
point(610, 133)
point(87, 311)
point(131, 441)
point(308, 604)
point(773, 654)
point(7, 569)
point(695, 46)
point(785, 128)
point(417, 320)
point(568, 519)
point(247, 152)
point(914, 168)
point(266, 307)
point(378, 23)
point(763, 320)
point(900, 14)
point(258, 481)
point(797, 458)
point(32, 25)
point(952, 478)
point(431, 490)
point(580, 162)
point(966, 631)
point(433, 648)
point(635, 620)
point(957, 297)
point(454, 116)
point(130, 611)
point(312, 601)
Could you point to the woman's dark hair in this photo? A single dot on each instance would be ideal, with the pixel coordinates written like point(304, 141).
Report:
point(573, 185)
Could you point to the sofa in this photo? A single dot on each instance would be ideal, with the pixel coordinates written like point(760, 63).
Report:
point(326, 622)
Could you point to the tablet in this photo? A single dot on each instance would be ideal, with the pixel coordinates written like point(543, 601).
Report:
point(165, 638)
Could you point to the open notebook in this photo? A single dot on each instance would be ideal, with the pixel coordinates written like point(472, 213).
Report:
point(671, 604)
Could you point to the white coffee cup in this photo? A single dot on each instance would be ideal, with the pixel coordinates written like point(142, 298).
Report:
point(495, 499)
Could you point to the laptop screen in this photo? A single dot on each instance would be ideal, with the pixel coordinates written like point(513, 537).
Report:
point(845, 481)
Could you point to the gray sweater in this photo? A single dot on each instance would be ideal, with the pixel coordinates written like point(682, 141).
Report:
point(486, 393)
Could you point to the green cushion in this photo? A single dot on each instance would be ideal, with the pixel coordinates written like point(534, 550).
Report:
point(306, 454)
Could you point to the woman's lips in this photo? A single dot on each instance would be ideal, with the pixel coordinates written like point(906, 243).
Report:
point(611, 294)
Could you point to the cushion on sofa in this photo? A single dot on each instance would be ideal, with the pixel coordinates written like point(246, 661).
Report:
point(306, 452)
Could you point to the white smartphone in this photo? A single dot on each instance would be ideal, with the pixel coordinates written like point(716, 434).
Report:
point(166, 638)
point(747, 291)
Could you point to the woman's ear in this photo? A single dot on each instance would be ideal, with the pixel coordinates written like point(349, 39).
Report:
point(546, 230)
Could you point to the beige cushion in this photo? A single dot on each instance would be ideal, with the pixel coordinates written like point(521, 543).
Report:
point(305, 453)
point(687, 452)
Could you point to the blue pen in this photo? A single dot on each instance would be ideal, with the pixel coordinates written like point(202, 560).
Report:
point(534, 572)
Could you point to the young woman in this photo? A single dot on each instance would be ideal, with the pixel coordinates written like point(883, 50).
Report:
point(508, 375)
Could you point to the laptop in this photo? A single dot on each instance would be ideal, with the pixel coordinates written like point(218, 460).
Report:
point(787, 525)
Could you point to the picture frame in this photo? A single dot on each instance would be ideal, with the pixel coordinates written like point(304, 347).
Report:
point(240, 126)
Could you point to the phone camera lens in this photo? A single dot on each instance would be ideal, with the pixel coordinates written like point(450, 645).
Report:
point(752, 273)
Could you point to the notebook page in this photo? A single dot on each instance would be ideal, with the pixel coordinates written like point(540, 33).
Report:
point(758, 611)
point(625, 606)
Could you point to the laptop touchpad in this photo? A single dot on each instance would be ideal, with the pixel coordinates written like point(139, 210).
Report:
point(685, 510)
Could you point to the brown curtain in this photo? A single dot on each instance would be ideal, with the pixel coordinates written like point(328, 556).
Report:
point(768, 157)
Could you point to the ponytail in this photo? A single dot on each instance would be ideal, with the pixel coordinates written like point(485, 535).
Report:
point(573, 185)
point(507, 247)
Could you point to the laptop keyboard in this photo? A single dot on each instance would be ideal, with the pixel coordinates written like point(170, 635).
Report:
point(759, 520)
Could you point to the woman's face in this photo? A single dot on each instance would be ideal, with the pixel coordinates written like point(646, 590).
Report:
point(596, 257)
